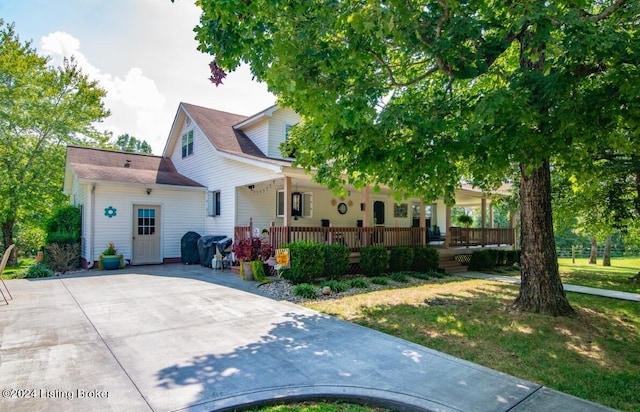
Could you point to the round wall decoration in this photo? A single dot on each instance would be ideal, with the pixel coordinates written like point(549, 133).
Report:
point(110, 211)
point(342, 208)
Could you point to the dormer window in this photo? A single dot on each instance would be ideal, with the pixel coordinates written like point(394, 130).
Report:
point(187, 144)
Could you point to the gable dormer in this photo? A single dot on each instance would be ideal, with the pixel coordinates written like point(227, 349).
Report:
point(269, 128)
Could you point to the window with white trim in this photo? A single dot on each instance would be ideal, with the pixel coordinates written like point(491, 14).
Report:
point(301, 204)
point(187, 144)
point(213, 204)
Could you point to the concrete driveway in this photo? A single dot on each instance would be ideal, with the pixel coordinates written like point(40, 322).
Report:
point(174, 337)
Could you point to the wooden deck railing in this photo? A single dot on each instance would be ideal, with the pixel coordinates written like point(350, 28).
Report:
point(461, 236)
point(391, 237)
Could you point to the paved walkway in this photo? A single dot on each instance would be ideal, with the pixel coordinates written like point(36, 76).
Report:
point(174, 337)
point(569, 288)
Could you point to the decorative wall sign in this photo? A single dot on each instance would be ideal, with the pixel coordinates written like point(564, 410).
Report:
point(342, 208)
point(401, 210)
point(110, 211)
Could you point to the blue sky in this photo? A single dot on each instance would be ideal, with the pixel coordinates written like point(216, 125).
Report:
point(142, 52)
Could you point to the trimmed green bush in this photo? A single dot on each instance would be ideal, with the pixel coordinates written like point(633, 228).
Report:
point(306, 291)
point(307, 262)
point(38, 270)
point(481, 260)
point(374, 260)
point(380, 280)
point(425, 259)
point(336, 261)
point(512, 257)
point(335, 285)
point(359, 283)
point(422, 275)
point(399, 277)
point(64, 224)
point(401, 259)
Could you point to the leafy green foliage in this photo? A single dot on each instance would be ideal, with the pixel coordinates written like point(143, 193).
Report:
point(425, 259)
point(401, 259)
point(399, 277)
point(307, 262)
point(422, 97)
point(64, 225)
point(30, 238)
point(335, 285)
point(336, 261)
point(358, 283)
point(38, 270)
point(306, 291)
point(374, 260)
point(44, 108)
point(127, 143)
point(380, 280)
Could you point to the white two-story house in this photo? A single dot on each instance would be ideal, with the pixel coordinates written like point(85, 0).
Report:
point(224, 174)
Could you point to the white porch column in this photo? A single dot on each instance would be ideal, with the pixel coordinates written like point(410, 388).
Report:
point(287, 201)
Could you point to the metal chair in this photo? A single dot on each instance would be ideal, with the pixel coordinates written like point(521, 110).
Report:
point(5, 259)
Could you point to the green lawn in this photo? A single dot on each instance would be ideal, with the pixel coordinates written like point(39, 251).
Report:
point(594, 355)
point(12, 272)
point(614, 277)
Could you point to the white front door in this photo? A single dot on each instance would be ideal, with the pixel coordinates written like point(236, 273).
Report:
point(146, 235)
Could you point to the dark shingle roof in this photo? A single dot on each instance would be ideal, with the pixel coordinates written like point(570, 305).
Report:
point(110, 166)
point(218, 127)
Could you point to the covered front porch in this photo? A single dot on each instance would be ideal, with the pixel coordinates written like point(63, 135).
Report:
point(293, 208)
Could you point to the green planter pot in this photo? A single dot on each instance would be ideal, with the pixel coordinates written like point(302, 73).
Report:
point(111, 262)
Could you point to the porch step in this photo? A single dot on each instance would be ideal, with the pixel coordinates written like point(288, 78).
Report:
point(450, 265)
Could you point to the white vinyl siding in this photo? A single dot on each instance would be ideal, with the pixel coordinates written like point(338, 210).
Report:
point(181, 211)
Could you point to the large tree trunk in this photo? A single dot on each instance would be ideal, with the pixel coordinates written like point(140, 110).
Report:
point(541, 290)
point(7, 240)
point(593, 255)
point(606, 258)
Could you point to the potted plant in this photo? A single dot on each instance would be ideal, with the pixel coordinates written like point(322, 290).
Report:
point(252, 253)
point(466, 220)
point(110, 259)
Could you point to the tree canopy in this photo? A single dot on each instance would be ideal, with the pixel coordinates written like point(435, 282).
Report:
point(422, 95)
point(42, 109)
point(127, 143)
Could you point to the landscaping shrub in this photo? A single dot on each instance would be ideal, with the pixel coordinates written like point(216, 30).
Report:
point(422, 275)
point(512, 257)
point(64, 224)
point(307, 262)
point(306, 291)
point(374, 260)
point(359, 283)
point(30, 239)
point(481, 260)
point(335, 285)
point(380, 280)
point(399, 277)
point(62, 257)
point(425, 259)
point(336, 261)
point(38, 270)
point(401, 259)
point(501, 257)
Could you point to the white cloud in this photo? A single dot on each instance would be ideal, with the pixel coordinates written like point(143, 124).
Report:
point(135, 101)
